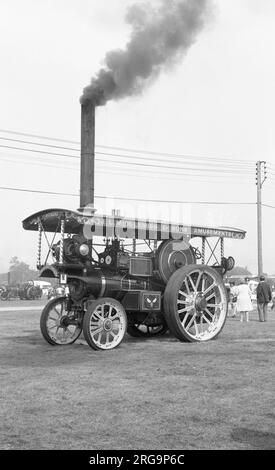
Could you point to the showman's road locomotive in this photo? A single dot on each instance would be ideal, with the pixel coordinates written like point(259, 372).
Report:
point(122, 274)
point(113, 287)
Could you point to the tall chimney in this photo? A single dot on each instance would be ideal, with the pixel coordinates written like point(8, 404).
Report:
point(87, 164)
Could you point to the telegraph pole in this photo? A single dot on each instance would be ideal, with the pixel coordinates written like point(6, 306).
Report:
point(260, 178)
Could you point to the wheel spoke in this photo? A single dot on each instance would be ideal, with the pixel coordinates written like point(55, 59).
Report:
point(210, 296)
point(203, 283)
point(52, 318)
point(70, 332)
point(192, 283)
point(99, 337)
point(66, 332)
point(114, 312)
point(198, 280)
point(214, 305)
point(209, 288)
point(185, 317)
point(183, 293)
point(206, 319)
point(99, 313)
point(58, 313)
point(95, 332)
point(115, 316)
point(116, 324)
point(209, 313)
point(187, 286)
point(190, 322)
point(94, 323)
point(196, 327)
point(186, 309)
point(108, 312)
point(98, 316)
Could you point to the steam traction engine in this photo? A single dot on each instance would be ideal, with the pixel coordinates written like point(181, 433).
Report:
point(114, 284)
point(131, 275)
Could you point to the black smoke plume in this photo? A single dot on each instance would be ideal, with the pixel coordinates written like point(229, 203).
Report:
point(160, 37)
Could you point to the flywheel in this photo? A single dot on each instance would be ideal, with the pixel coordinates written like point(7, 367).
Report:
point(172, 255)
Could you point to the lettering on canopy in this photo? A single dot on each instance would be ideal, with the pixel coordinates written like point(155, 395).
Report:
point(211, 232)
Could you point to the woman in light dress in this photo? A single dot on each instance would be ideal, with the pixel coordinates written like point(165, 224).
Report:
point(244, 304)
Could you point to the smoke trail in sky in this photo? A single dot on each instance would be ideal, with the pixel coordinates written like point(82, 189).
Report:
point(160, 37)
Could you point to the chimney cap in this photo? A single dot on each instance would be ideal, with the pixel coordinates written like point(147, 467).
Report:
point(89, 209)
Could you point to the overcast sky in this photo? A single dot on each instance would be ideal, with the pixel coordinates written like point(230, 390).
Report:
point(216, 102)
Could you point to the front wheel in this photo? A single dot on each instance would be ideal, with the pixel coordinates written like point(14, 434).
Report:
point(60, 326)
point(195, 303)
point(104, 324)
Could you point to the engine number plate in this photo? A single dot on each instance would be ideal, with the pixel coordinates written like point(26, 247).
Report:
point(63, 278)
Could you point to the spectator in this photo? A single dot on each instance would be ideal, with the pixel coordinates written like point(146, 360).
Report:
point(264, 296)
point(233, 298)
point(244, 304)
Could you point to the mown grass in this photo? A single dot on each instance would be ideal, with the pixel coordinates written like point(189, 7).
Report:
point(146, 394)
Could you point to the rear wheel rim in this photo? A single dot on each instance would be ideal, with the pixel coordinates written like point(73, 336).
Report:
point(107, 325)
point(201, 305)
point(58, 324)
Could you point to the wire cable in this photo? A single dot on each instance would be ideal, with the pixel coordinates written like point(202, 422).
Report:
point(140, 173)
point(267, 205)
point(39, 136)
point(224, 165)
point(128, 199)
point(192, 157)
point(221, 172)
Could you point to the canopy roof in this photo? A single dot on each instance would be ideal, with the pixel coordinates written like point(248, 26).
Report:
point(90, 224)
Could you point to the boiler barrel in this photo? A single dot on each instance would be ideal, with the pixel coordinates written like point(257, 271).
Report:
point(101, 284)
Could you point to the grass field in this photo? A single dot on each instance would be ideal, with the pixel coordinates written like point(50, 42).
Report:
point(145, 395)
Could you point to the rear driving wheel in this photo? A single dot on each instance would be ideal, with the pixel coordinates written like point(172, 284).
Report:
point(195, 303)
point(104, 324)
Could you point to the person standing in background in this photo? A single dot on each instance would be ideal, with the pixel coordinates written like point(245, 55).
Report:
point(244, 304)
point(233, 298)
point(264, 296)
